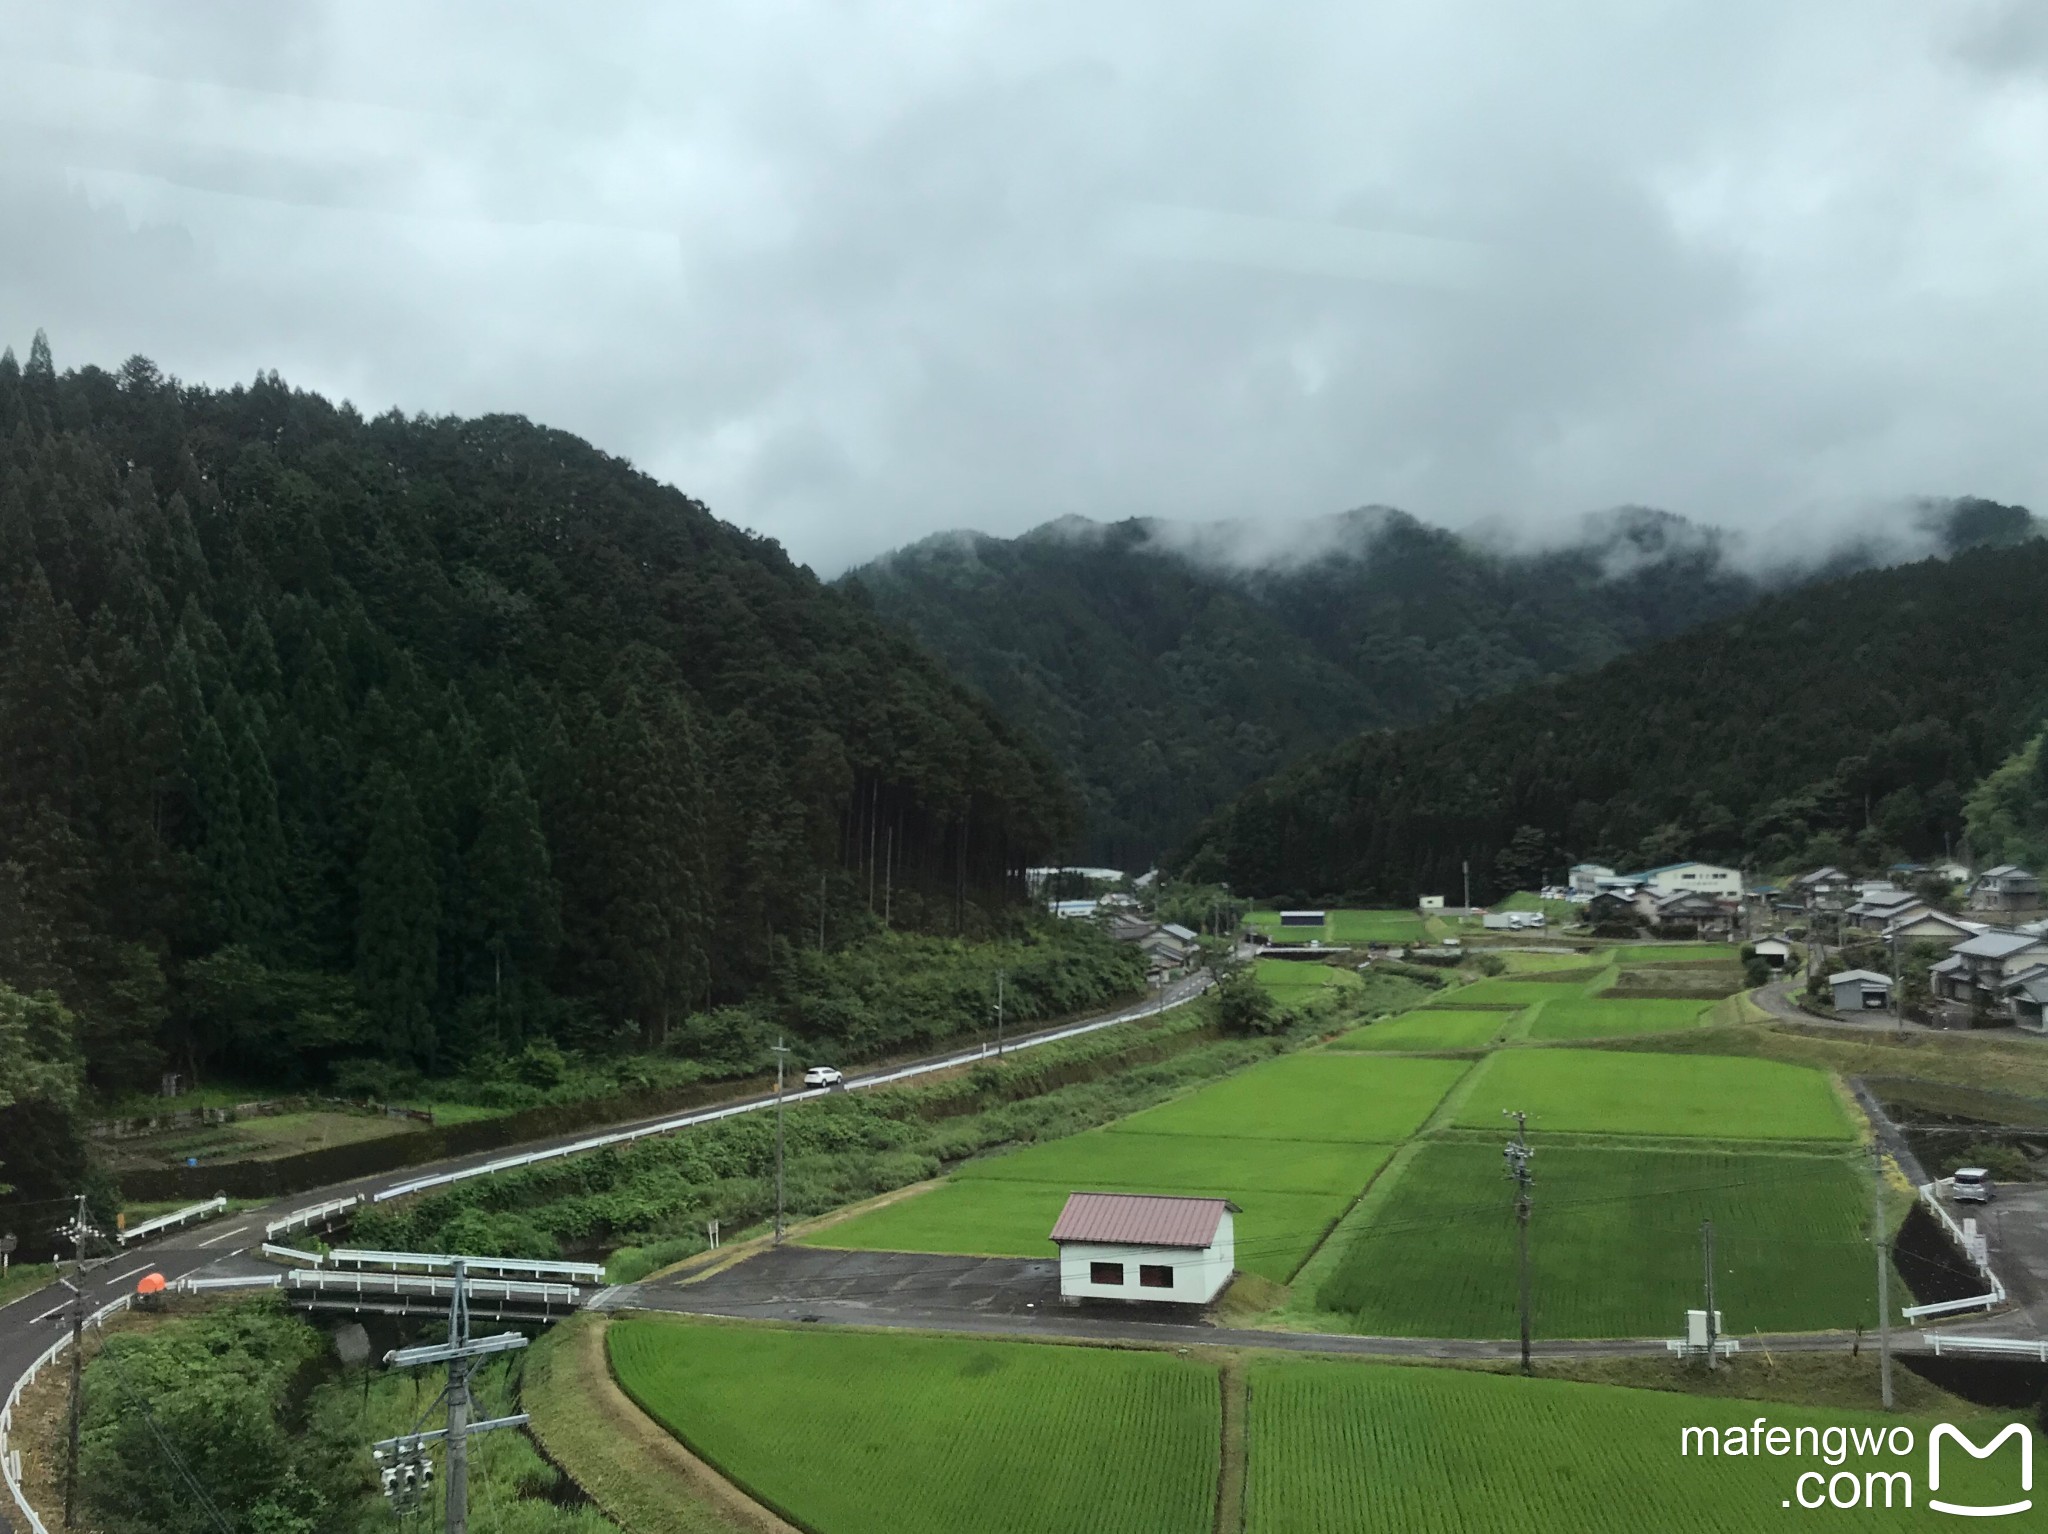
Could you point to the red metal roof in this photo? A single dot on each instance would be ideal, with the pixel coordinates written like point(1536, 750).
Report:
point(1140, 1219)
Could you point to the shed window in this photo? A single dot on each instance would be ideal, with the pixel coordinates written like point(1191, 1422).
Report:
point(1105, 1272)
point(1155, 1275)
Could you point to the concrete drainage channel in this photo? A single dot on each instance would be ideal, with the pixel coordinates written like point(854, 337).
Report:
point(322, 1215)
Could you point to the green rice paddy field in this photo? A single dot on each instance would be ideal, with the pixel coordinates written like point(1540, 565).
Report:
point(1345, 927)
point(1601, 1092)
point(1378, 1449)
point(1293, 1142)
point(848, 1432)
point(865, 1433)
point(1615, 1247)
point(1574, 1017)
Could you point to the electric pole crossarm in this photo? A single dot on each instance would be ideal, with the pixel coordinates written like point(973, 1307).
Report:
point(435, 1435)
point(445, 1352)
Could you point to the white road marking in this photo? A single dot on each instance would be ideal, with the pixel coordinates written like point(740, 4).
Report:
point(224, 1235)
point(131, 1273)
point(48, 1314)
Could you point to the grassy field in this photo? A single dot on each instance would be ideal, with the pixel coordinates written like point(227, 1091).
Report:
point(1432, 1028)
point(859, 1433)
point(1345, 927)
point(1378, 1449)
point(1110, 1159)
point(1294, 980)
point(1615, 1250)
point(1678, 953)
point(1571, 1017)
point(1317, 1096)
point(1591, 1091)
point(1520, 963)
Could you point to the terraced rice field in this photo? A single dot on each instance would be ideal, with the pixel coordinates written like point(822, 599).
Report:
point(1377, 1449)
point(1615, 1246)
point(853, 1433)
point(1573, 1017)
point(1503, 993)
point(1432, 1028)
point(1592, 1091)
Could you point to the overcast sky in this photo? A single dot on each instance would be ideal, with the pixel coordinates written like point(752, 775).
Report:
point(856, 272)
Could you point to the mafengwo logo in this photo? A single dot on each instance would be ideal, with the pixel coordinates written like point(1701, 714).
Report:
point(1944, 1433)
point(1873, 1467)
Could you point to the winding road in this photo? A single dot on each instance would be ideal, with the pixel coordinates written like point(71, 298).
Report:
point(29, 1324)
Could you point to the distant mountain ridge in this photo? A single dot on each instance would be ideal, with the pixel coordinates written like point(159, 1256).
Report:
point(1167, 666)
point(1845, 721)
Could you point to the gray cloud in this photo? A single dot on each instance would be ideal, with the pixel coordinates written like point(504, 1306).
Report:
point(857, 272)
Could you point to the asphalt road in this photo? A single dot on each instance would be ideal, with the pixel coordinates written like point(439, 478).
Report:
point(1019, 1297)
point(31, 1323)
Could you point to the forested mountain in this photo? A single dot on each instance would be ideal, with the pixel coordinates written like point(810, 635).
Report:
point(1846, 721)
point(324, 737)
point(1166, 668)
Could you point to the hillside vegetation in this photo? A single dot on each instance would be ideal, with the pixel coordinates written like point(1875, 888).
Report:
point(1166, 674)
point(1845, 721)
point(326, 739)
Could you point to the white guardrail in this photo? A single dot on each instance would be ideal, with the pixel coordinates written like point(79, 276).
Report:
point(1974, 1250)
point(2012, 1347)
point(712, 1115)
point(421, 1286)
point(312, 1215)
point(233, 1281)
point(571, 1272)
point(172, 1220)
point(10, 1459)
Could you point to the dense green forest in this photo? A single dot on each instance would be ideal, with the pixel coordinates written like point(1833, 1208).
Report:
point(329, 739)
point(1844, 722)
point(1166, 676)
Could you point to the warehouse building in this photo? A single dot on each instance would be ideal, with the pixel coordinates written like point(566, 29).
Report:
point(1141, 1246)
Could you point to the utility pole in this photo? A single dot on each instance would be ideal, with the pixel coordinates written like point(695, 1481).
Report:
point(1468, 885)
point(77, 1230)
point(821, 913)
point(999, 1014)
point(406, 1470)
point(1884, 1285)
point(1707, 1266)
point(781, 1053)
point(1518, 1154)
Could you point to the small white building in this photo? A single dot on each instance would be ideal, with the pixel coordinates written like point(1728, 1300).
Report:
point(1432, 905)
point(1774, 951)
point(1142, 1246)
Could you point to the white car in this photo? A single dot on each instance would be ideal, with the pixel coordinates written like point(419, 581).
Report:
point(823, 1076)
point(1971, 1185)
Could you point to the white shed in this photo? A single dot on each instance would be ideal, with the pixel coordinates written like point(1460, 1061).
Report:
point(1142, 1246)
point(1774, 951)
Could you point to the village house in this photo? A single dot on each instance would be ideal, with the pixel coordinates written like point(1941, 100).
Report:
point(2007, 887)
point(1923, 924)
point(1975, 972)
point(1586, 879)
point(1704, 913)
point(2026, 993)
point(1825, 888)
point(1877, 909)
point(1170, 951)
point(1130, 1246)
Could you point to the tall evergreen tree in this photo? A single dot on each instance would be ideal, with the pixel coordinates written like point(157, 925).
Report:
point(397, 952)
